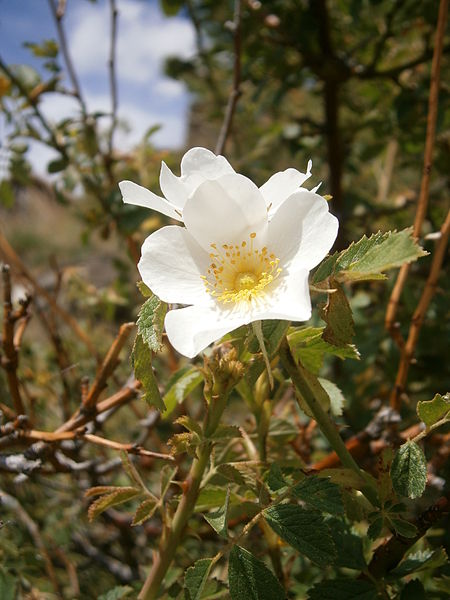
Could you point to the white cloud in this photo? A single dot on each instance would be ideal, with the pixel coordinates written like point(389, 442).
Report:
point(145, 39)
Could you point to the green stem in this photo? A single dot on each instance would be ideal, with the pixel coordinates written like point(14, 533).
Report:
point(172, 535)
point(324, 422)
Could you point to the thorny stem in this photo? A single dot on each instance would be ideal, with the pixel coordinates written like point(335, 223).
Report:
point(172, 534)
point(323, 420)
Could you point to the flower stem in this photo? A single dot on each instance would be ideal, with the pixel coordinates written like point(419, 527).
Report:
point(326, 425)
point(172, 535)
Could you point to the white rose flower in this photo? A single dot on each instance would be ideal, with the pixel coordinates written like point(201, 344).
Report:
point(232, 264)
point(199, 165)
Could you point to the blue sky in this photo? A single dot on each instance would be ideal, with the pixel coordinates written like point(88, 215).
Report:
point(145, 38)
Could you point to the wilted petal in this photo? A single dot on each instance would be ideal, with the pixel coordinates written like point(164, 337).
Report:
point(140, 196)
point(172, 265)
point(226, 211)
point(302, 230)
point(192, 329)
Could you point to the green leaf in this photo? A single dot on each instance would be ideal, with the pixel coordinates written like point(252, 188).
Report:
point(409, 471)
point(275, 479)
point(231, 473)
point(120, 591)
point(320, 494)
point(142, 363)
point(420, 561)
point(226, 432)
point(57, 165)
point(120, 496)
point(402, 527)
point(337, 314)
point(369, 258)
point(273, 333)
point(343, 589)
point(250, 579)
point(196, 577)
point(432, 411)
point(185, 381)
point(188, 423)
point(144, 289)
point(325, 269)
point(337, 400)
point(349, 545)
point(145, 511)
point(131, 470)
point(210, 497)
point(375, 528)
point(310, 348)
point(46, 49)
point(304, 530)
point(150, 322)
point(282, 430)
point(171, 7)
point(184, 442)
point(219, 519)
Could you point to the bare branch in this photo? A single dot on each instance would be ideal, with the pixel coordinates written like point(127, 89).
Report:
point(235, 92)
point(112, 74)
point(428, 161)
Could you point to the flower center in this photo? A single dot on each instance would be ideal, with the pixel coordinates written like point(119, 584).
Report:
point(240, 272)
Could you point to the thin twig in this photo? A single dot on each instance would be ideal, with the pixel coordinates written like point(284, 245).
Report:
point(10, 359)
point(112, 75)
point(419, 315)
point(14, 260)
point(235, 92)
point(58, 17)
point(428, 161)
point(53, 141)
point(107, 367)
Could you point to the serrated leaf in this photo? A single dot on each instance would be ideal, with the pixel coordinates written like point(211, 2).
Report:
point(182, 384)
point(325, 269)
point(337, 314)
point(275, 479)
point(377, 254)
point(304, 530)
point(343, 589)
point(320, 494)
point(420, 561)
point(402, 527)
point(409, 471)
point(350, 548)
point(210, 497)
point(188, 423)
point(337, 400)
point(226, 432)
point(375, 528)
point(117, 593)
point(219, 519)
point(231, 473)
point(250, 579)
point(99, 490)
point(120, 496)
point(310, 348)
point(145, 511)
point(344, 477)
point(150, 322)
point(196, 577)
point(142, 363)
point(432, 411)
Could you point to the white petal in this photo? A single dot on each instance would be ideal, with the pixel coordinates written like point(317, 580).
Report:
point(281, 185)
point(302, 230)
point(290, 300)
point(190, 330)
point(172, 187)
point(172, 264)
point(226, 211)
point(140, 196)
point(205, 162)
